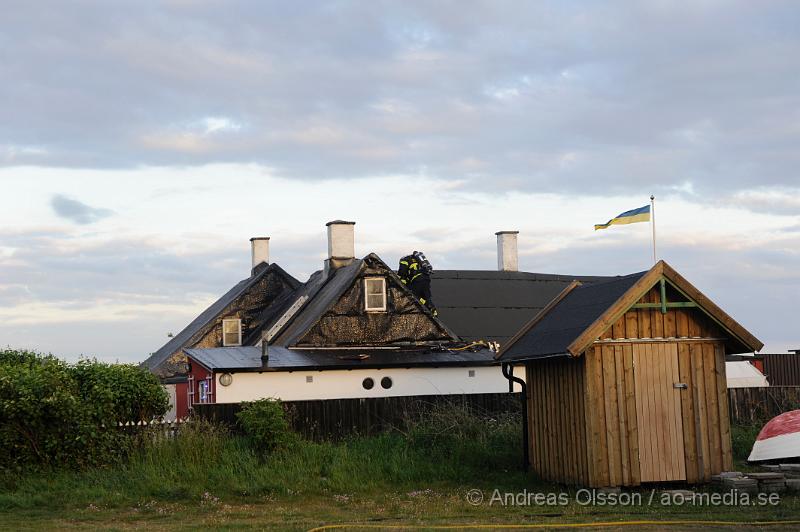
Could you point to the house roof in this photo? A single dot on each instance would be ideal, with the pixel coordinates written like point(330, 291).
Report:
point(569, 315)
point(210, 314)
point(494, 305)
point(324, 292)
point(582, 312)
point(243, 359)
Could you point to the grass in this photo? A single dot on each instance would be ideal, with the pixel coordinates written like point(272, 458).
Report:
point(207, 477)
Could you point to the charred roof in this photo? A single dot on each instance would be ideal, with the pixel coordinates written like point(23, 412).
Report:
point(209, 315)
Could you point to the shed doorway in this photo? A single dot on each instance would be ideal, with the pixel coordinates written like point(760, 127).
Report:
point(658, 412)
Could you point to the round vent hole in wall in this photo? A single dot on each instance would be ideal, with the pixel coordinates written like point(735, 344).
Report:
point(368, 383)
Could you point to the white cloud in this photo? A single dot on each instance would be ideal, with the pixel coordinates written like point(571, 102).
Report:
point(217, 124)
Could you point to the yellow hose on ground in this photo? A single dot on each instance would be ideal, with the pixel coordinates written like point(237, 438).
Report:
point(552, 525)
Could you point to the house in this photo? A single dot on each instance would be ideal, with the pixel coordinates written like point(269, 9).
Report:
point(235, 318)
point(352, 330)
point(473, 305)
point(625, 382)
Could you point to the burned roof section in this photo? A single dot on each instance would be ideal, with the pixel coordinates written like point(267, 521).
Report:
point(552, 333)
point(277, 284)
point(335, 315)
point(494, 305)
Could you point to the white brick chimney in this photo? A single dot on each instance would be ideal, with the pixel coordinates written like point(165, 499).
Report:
point(259, 251)
point(507, 257)
point(341, 244)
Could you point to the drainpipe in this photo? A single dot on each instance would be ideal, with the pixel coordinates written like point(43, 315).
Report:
point(508, 373)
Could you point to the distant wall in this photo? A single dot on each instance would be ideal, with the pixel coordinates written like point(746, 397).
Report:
point(782, 369)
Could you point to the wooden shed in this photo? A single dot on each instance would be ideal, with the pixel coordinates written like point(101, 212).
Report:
point(626, 382)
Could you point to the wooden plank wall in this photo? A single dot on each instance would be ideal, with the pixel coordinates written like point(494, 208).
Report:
point(706, 423)
point(659, 414)
point(613, 421)
point(611, 417)
point(557, 438)
point(651, 323)
point(704, 407)
point(782, 369)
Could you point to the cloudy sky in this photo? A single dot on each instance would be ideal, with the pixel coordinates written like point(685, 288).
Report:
point(142, 144)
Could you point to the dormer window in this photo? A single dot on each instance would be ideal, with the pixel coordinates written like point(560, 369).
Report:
point(231, 333)
point(375, 294)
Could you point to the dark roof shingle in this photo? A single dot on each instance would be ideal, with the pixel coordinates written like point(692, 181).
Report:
point(494, 305)
point(209, 314)
point(564, 322)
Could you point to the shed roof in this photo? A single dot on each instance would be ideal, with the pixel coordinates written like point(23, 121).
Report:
point(561, 323)
point(494, 305)
point(581, 313)
point(238, 359)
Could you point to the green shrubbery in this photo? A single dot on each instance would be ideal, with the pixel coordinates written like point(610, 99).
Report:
point(54, 414)
point(446, 447)
point(265, 425)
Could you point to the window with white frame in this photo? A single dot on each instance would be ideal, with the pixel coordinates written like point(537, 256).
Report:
point(203, 389)
point(375, 294)
point(231, 332)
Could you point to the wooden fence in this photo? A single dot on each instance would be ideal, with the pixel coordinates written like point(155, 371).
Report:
point(758, 405)
point(338, 418)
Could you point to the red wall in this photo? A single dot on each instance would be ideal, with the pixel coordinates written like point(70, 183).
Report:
point(181, 400)
point(200, 373)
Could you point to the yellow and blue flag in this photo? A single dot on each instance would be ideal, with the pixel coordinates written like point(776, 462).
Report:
point(642, 214)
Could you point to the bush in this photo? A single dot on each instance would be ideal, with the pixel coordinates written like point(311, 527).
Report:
point(56, 414)
point(265, 425)
point(120, 393)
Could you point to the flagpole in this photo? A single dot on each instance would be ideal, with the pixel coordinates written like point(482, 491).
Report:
point(653, 224)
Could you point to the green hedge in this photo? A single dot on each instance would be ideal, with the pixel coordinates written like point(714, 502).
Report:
point(54, 414)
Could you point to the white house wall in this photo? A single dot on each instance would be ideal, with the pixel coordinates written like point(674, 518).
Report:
point(347, 384)
point(171, 390)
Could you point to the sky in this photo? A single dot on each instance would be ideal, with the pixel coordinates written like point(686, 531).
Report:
point(142, 144)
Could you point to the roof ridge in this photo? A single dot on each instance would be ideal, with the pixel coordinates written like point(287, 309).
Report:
point(209, 314)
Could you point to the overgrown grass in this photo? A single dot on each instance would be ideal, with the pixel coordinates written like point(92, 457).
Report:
point(208, 478)
point(450, 446)
point(450, 449)
point(742, 439)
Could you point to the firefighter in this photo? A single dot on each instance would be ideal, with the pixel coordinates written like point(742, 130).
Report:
point(415, 272)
